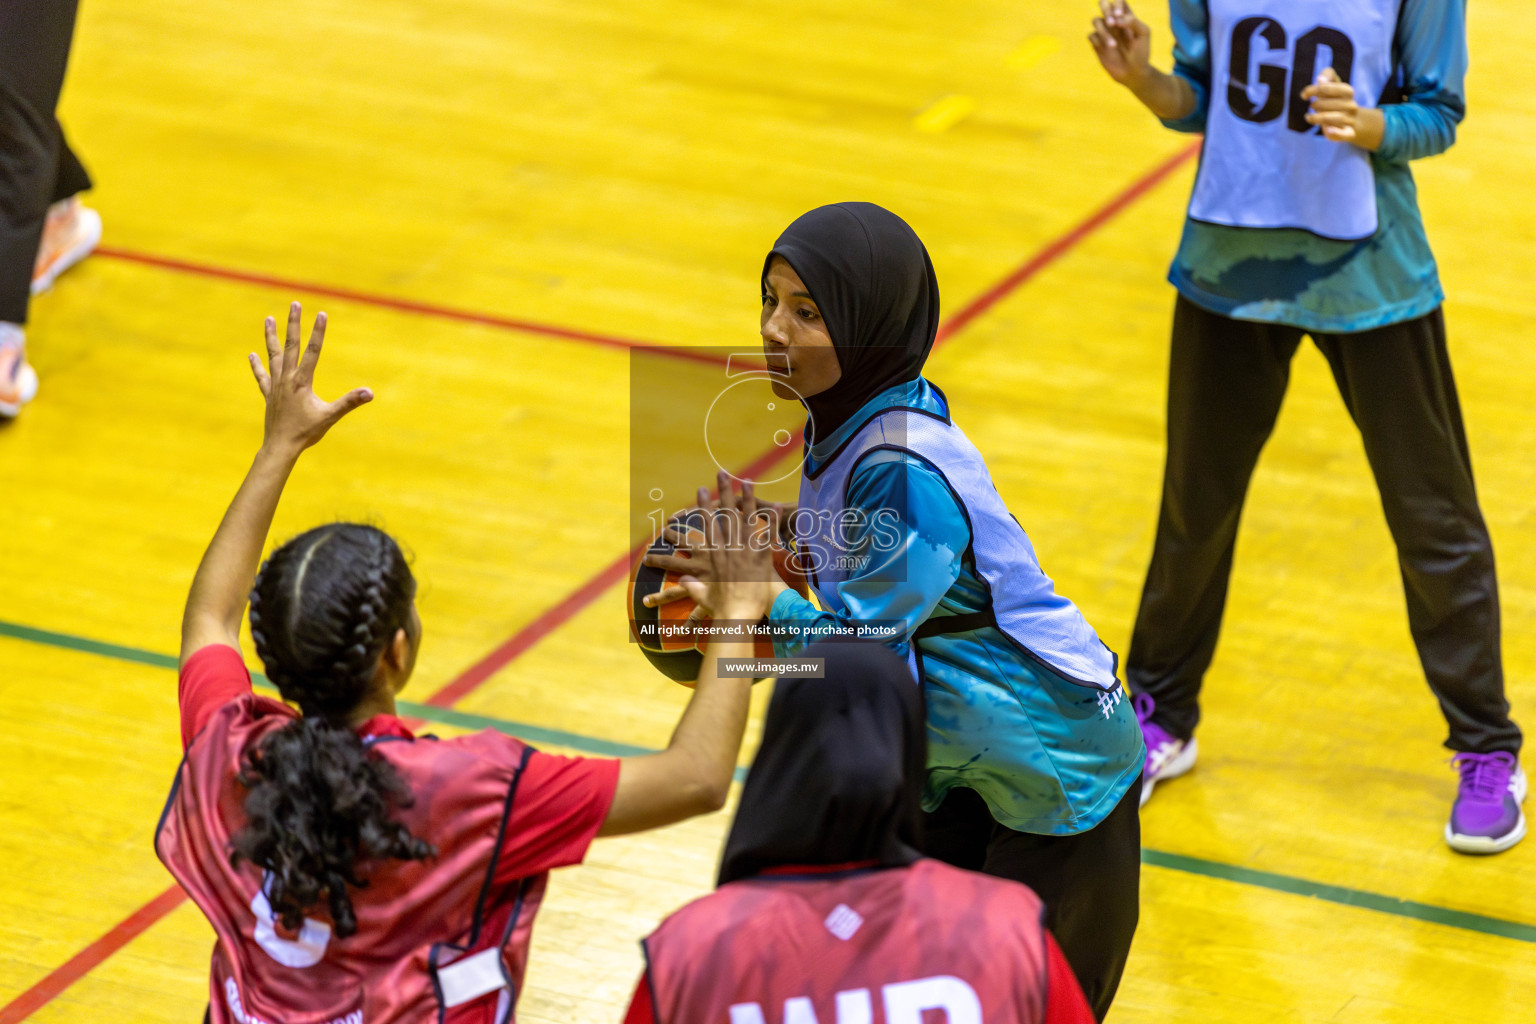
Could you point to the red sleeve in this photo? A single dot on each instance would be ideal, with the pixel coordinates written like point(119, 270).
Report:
point(641, 1010)
point(211, 678)
point(1065, 1003)
point(559, 805)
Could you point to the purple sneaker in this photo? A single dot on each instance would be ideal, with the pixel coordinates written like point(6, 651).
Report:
point(1486, 817)
point(1167, 755)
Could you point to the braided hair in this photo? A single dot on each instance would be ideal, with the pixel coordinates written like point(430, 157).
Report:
point(325, 607)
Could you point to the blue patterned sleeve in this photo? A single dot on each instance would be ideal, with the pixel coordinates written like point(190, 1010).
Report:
point(914, 537)
point(1191, 59)
point(1431, 51)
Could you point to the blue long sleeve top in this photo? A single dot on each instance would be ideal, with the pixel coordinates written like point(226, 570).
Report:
point(1284, 275)
point(1048, 756)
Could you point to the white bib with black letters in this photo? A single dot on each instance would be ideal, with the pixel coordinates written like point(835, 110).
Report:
point(1263, 165)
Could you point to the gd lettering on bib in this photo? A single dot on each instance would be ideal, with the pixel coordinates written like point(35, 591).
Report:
point(1263, 165)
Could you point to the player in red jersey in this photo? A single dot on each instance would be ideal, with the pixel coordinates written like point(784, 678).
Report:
point(353, 872)
point(825, 909)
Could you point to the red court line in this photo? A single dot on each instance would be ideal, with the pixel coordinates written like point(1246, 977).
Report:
point(471, 678)
point(1064, 244)
point(401, 305)
point(81, 964)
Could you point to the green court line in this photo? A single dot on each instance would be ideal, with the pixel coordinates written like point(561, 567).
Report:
point(426, 712)
point(1338, 894)
point(80, 643)
point(1155, 858)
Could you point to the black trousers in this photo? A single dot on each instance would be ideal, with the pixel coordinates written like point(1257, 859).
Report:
point(37, 167)
point(1226, 379)
point(1090, 883)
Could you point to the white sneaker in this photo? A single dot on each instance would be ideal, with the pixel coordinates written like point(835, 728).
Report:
point(69, 236)
point(18, 381)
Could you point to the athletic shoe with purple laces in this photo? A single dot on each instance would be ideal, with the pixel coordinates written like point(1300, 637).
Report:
point(1486, 817)
point(1167, 755)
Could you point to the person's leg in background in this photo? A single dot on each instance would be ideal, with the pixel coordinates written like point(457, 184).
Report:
point(34, 50)
point(1397, 384)
point(71, 230)
point(1226, 380)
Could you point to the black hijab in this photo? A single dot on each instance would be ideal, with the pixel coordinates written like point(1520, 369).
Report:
point(870, 276)
point(838, 777)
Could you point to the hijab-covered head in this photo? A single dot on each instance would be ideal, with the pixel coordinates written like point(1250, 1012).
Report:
point(839, 774)
point(871, 278)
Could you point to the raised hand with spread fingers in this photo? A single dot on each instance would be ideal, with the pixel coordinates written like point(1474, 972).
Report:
point(295, 419)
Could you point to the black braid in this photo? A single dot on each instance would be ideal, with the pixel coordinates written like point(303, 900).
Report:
point(325, 607)
point(371, 628)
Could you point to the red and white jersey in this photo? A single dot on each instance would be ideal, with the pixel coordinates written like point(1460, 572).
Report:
point(913, 945)
point(444, 939)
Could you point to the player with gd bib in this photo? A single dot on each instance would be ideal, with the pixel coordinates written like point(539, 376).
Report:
point(1304, 220)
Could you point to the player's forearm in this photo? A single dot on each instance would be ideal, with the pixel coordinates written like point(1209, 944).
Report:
point(223, 579)
point(1169, 97)
point(709, 734)
point(693, 775)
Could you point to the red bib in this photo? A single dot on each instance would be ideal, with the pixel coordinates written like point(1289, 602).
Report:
point(879, 946)
point(435, 940)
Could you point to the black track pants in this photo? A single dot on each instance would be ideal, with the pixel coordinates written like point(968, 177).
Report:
point(37, 167)
point(1226, 380)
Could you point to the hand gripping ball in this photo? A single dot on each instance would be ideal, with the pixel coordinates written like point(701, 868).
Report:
point(679, 657)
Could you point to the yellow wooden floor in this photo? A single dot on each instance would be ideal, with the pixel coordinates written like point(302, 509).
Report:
point(620, 169)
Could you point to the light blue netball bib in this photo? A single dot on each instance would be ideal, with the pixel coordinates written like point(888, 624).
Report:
point(1024, 602)
point(1263, 165)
